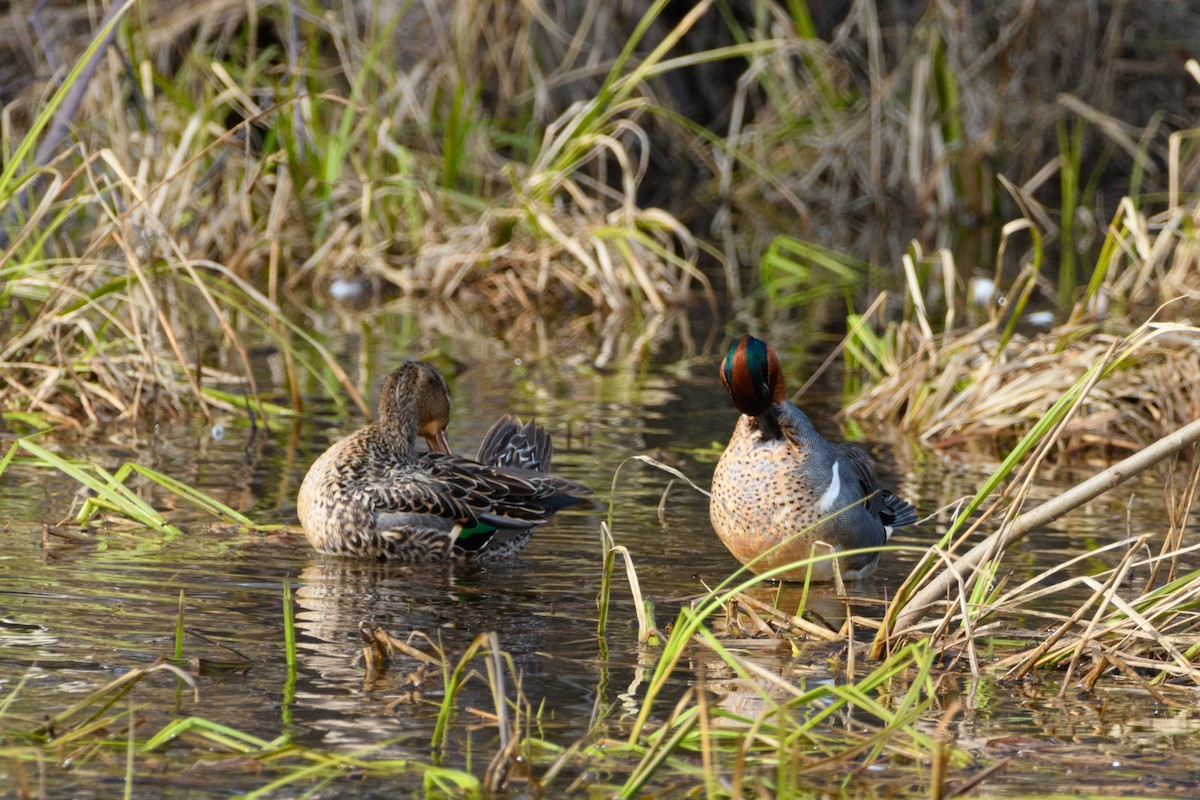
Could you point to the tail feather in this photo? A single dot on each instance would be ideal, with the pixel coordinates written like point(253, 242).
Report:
point(508, 443)
point(524, 451)
point(896, 512)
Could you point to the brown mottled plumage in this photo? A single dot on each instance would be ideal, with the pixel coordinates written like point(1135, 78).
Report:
point(372, 494)
point(780, 488)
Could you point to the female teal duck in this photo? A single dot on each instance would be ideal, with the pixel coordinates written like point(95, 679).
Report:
point(373, 495)
point(780, 484)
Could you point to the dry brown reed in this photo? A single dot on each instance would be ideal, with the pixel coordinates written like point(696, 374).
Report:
point(993, 382)
point(1124, 624)
point(147, 253)
point(1136, 619)
point(968, 388)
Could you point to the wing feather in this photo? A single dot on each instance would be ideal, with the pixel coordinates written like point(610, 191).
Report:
point(863, 473)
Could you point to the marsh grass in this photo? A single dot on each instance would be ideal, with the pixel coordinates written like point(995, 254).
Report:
point(111, 493)
point(828, 731)
point(94, 730)
point(994, 383)
point(1100, 383)
point(1132, 624)
point(1052, 395)
point(1119, 370)
point(1002, 378)
point(117, 324)
point(810, 733)
point(502, 163)
point(145, 258)
point(1125, 625)
point(903, 107)
point(790, 733)
point(1038, 399)
point(143, 262)
point(796, 736)
point(1154, 624)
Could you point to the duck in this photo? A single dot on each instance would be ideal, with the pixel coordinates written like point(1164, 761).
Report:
point(781, 492)
point(373, 494)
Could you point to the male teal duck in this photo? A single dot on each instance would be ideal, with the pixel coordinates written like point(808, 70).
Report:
point(374, 495)
point(780, 487)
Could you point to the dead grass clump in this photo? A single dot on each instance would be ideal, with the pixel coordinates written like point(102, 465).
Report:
point(1136, 620)
point(393, 151)
point(972, 387)
point(514, 221)
point(143, 258)
point(994, 382)
point(561, 237)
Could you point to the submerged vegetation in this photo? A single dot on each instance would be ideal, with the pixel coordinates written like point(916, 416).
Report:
point(187, 187)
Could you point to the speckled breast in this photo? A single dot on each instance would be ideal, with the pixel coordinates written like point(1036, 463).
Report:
point(759, 500)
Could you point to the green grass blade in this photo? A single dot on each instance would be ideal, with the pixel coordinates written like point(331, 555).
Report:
point(17, 159)
point(194, 496)
point(111, 492)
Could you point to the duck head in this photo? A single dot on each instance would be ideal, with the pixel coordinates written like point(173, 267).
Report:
point(752, 376)
point(415, 401)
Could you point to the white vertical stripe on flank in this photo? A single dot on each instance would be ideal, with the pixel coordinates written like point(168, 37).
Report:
point(826, 501)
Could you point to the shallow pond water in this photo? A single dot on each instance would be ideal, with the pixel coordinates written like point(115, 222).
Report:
point(80, 608)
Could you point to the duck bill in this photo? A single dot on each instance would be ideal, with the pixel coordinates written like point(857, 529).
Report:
point(438, 442)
